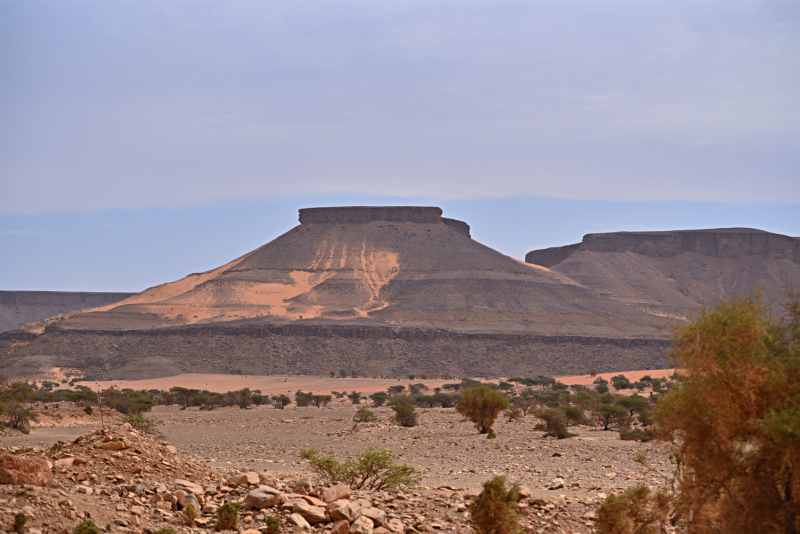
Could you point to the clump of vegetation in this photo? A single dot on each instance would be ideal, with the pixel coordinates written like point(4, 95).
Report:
point(87, 526)
point(364, 415)
point(163, 530)
point(404, 412)
point(638, 434)
point(281, 401)
point(143, 424)
point(19, 522)
point(492, 511)
point(555, 422)
point(481, 405)
point(610, 415)
point(88, 410)
point(371, 469)
point(637, 511)
point(273, 525)
point(734, 419)
point(190, 514)
point(227, 516)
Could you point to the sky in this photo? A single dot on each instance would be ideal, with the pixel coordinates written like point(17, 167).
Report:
point(142, 141)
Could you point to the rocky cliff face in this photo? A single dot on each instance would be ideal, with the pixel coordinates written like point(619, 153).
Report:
point(731, 243)
point(674, 274)
point(393, 275)
point(20, 307)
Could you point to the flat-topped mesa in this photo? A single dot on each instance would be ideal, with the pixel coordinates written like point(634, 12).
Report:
point(718, 243)
point(366, 214)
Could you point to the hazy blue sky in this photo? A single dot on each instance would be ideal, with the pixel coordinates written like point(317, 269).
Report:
point(141, 141)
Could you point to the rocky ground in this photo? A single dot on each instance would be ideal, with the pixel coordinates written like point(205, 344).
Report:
point(134, 482)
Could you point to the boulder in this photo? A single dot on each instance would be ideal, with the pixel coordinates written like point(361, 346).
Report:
point(252, 478)
point(344, 510)
point(267, 480)
point(334, 493)
point(314, 501)
point(190, 498)
point(24, 470)
point(298, 521)
point(115, 445)
point(189, 487)
point(312, 514)
point(341, 527)
point(524, 492)
point(64, 462)
point(260, 498)
point(557, 483)
point(303, 486)
point(362, 525)
point(394, 525)
point(377, 516)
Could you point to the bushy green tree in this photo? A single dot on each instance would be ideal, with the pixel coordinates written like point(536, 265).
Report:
point(481, 405)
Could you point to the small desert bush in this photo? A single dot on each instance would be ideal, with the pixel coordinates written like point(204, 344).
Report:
point(404, 413)
point(492, 511)
point(190, 514)
point(637, 434)
point(87, 526)
point(637, 511)
point(555, 422)
point(19, 522)
point(573, 414)
point(273, 525)
point(143, 424)
point(482, 405)
point(228, 516)
point(371, 469)
point(165, 530)
point(364, 415)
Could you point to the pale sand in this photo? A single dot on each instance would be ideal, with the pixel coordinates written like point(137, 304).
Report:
point(282, 384)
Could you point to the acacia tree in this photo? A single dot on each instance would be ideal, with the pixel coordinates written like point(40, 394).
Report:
point(735, 420)
point(482, 405)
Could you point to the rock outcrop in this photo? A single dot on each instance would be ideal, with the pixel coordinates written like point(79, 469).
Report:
point(731, 243)
point(673, 274)
point(20, 307)
point(18, 470)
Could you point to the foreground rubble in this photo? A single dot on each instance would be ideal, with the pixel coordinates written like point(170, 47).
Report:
point(128, 481)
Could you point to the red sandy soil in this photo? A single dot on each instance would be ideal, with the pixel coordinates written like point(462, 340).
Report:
point(277, 384)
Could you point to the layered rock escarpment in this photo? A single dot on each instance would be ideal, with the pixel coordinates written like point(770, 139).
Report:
point(21, 307)
point(731, 243)
point(675, 273)
point(383, 275)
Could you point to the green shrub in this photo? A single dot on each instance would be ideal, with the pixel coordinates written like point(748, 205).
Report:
point(364, 415)
point(492, 512)
point(607, 415)
point(273, 525)
point(164, 530)
point(143, 424)
point(404, 413)
point(228, 516)
point(491, 435)
point(637, 434)
point(371, 469)
point(19, 522)
point(482, 405)
point(88, 409)
point(555, 422)
point(573, 415)
point(637, 511)
point(87, 526)
point(190, 514)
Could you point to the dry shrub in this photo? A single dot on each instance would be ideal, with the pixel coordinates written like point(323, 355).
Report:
point(637, 511)
point(492, 512)
point(735, 421)
point(482, 405)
